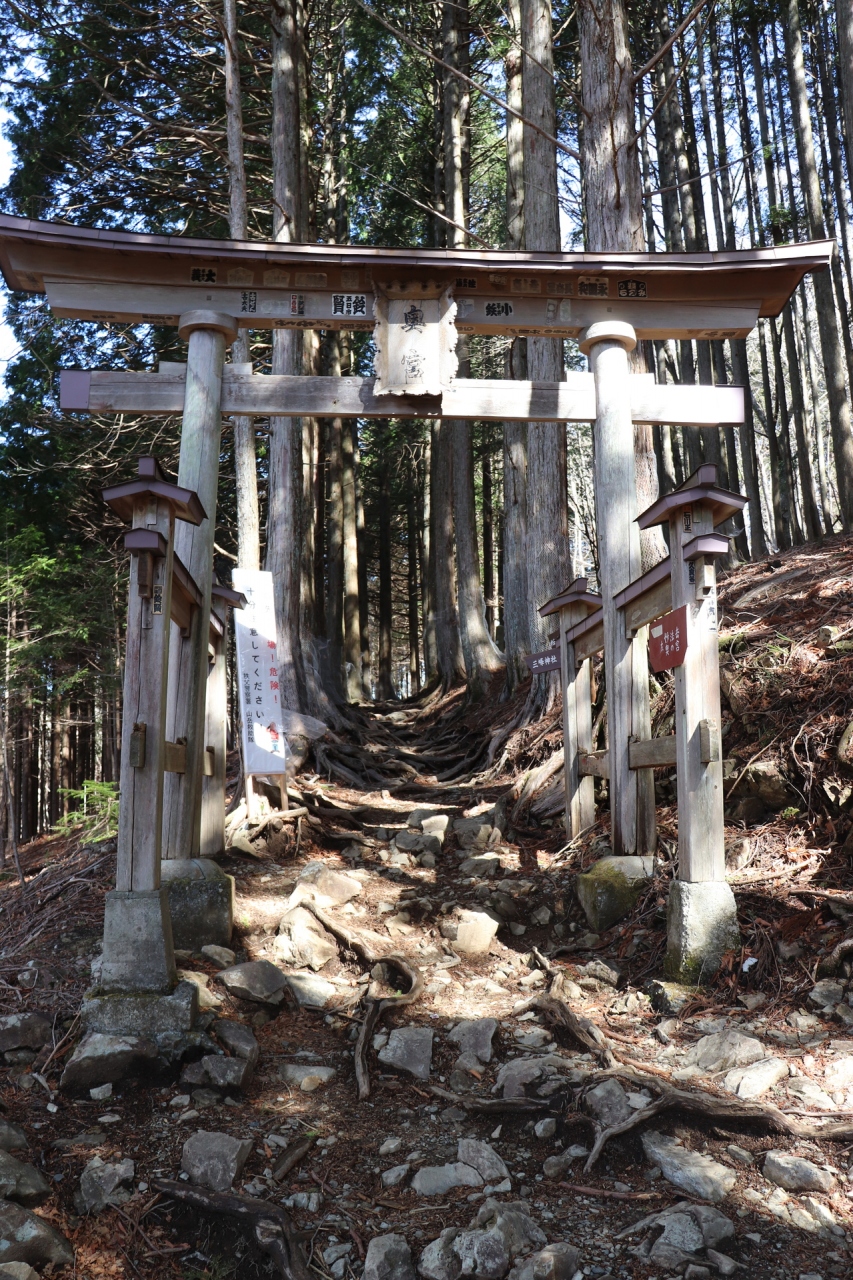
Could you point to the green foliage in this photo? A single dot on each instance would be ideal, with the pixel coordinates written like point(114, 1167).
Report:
point(97, 814)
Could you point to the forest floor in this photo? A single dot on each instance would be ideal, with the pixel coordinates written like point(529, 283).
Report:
point(760, 1060)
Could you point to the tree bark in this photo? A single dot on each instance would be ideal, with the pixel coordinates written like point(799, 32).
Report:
point(245, 462)
point(488, 540)
point(352, 627)
point(412, 582)
point(547, 545)
point(516, 634)
point(283, 558)
point(844, 27)
point(385, 684)
point(834, 363)
point(449, 659)
point(334, 552)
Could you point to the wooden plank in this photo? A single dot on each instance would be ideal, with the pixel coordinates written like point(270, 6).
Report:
point(632, 816)
point(701, 851)
point(653, 753)
point(709, 742)
point(489, 399)
point(175, 757)
point(198, 469)
point(645, 608)
point(590, 643)
point(144, 706)
point(594, 764)
point(306, 307)
point(212, 829)
point(577, 725)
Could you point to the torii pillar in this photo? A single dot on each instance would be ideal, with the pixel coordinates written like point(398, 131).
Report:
point(632, 795)
point(200, 894)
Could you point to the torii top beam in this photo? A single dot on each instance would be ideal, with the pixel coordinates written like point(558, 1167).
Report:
point(121, 276)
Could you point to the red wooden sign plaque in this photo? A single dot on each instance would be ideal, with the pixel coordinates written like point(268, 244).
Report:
point(668, 640)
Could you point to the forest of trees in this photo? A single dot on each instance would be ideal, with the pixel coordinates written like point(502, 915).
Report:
point(406, 555)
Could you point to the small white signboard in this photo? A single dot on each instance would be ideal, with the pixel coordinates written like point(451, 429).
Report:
point(264, 747)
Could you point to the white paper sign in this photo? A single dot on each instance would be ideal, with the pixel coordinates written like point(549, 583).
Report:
point(264, 747)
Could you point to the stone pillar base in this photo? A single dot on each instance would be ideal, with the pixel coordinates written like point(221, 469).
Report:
point(138, 950)
point(701, 925)
point(146, 1014)
point(201, 902)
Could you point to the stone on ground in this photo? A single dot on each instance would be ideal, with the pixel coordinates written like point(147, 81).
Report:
point(545, 1128)
point(435, 1180)
point(21, 1182)
point(17, 1271)
point(557, 1261)
point(226, 1073)
point(409, 1049)
point(303, 942)
point(699, 1175)
point(12, 1137)
point(483, 1158)
point(724, 1050)
point(394, 1176)
point(310, 989)
point(514, 1075)
point(206, 999)
point(25, 1237)
point(482, 864)
point(256, 980)
point(669, 997)
point(388, 1258)
point(475, 1036)
point(102, 1059)
point(839, 1074)
point(306, 1078)
point(609, 890)
point(222, 957)
point(239, 1038)
point(471, 931)
point(825, 995)
point(214, 1160)
point(24, 1031)
point(325, 887)
point(608, 1102)
point(795, 1174)
point(513, 1222)
point(104, 1183)
point(752, 1082)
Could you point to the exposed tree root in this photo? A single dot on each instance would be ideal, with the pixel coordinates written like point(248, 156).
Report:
point(495, 1106)
point(832, 963)
point(270, 1225)
point(377, 1006)
point(713, 1107)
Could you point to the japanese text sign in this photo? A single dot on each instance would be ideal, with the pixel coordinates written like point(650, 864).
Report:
point(264, 748)
point(547, 660)
point(668, 640)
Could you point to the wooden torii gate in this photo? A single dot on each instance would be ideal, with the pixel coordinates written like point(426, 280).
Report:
point(416, 301)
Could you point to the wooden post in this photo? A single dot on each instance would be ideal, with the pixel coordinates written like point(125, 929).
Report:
point(701, 851)
point(138, 949)
point(573, 606)
point(577, 726)
point(212, 831)
point(632, 811)
point(207, 332)
point(701, 915)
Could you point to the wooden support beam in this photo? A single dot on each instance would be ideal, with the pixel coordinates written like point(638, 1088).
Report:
point(594, 764)
point(208, 333)
point(653, 753)
point(320, 308)
point(632, 811)
point(105, 391)
point(175, 757)
point(646, 599)
point(577, 717)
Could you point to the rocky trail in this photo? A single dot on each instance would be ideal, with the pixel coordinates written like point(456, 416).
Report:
point(431, 1052)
